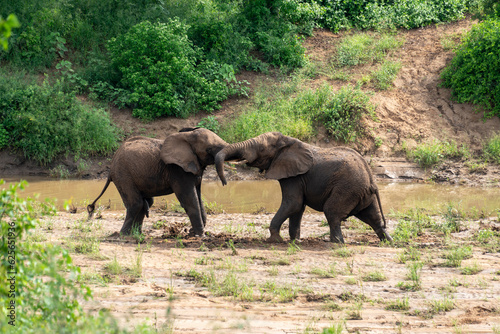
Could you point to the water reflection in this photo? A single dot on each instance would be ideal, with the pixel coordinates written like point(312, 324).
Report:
point(251, 196)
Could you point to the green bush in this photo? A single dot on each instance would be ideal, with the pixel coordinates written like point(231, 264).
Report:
point(41, 293)
point(474, 72)
point(342, 114)
point(492, 149)
point(296, 114)
point(44, 122)
point(432, 152)
point(374, 14)
point(165, 72)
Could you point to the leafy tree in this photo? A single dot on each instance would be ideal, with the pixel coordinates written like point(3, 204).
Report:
point(6, 27)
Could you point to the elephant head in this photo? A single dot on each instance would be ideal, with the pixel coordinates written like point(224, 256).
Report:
point(278, 155)
point(192, 149)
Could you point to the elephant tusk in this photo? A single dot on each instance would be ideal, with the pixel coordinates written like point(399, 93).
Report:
point(229, 167)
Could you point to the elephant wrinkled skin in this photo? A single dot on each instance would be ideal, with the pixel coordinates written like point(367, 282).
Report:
point(143, 168)
point(336, 181)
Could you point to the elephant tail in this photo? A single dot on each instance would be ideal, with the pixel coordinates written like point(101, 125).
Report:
point(374, 190)
point(91, 207)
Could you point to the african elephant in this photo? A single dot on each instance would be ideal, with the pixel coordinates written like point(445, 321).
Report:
point(143, 168)
point(336, 181)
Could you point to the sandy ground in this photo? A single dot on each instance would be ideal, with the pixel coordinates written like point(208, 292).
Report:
point(252, 286)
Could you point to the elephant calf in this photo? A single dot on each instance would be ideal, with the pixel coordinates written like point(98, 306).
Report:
point(144, 168)
point(336, 181)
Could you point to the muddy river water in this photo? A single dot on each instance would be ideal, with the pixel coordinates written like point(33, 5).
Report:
point(252, 196)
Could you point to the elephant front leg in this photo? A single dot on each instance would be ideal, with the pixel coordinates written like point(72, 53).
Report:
point(283, 214)
point(189, 200)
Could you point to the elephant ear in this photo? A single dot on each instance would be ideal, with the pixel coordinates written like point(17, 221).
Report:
point(177, 150)
point(292, 160)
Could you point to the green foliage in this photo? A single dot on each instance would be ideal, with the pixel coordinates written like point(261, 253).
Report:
point(297, 115)
point(455, 256)
point(6, 26)
point(474, 72)
point(386, 73)
point(41, 283)
point(373, 14)
point(165, 72)
point(44, 122)
point(430, 153)
point(211, 123)
point(491, 149)
point(342, 115)
point(363, 48)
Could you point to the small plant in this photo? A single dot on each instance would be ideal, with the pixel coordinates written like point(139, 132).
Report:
point(327, 273)
point(334, 329)
point(473, 269)
point(492, 149)
point(354, 312)
point(385, 75)
point(444, 305)
point(114, 267)
point(342, 251)
point(230, 245)
point(293, 248)
point(374, 276)
point(136, 268)
point(455, 256)
point(409, 254)
point(431, 153)
point(414, 275)
point(399, 305)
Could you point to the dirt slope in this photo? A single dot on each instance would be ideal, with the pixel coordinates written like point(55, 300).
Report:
point(416, 109)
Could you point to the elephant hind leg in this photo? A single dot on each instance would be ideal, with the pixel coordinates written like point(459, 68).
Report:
point(148, 203)
point(294, 224)
point(336, 211)
point(371, 215)
point(134, 218)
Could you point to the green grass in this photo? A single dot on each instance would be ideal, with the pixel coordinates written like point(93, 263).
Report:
point(454, 256)
point(433, 152)
point(399, 305)
point(492, 149)
point(296, 112)
point(362, 48)
point(374, 276)
point(385, 74)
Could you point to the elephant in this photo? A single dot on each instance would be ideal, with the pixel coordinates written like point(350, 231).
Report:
point(143, 168)
point(336, 181)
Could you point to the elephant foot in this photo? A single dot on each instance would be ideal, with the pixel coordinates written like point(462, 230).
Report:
point(196, 233)
point(336, 235)
point(384, 236)
point(275, 236)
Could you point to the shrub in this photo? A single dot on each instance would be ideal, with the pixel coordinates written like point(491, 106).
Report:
point(386, 74)
point(165, 72)
point(43, 294)
point(474, 72)
point(430, 153)
point(43, 122)
point(343, 112)
point(492, 149)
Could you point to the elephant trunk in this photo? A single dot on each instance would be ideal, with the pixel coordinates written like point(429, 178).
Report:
point(231, 152)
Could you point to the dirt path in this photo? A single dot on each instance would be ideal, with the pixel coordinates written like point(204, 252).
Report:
point(232, 281)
